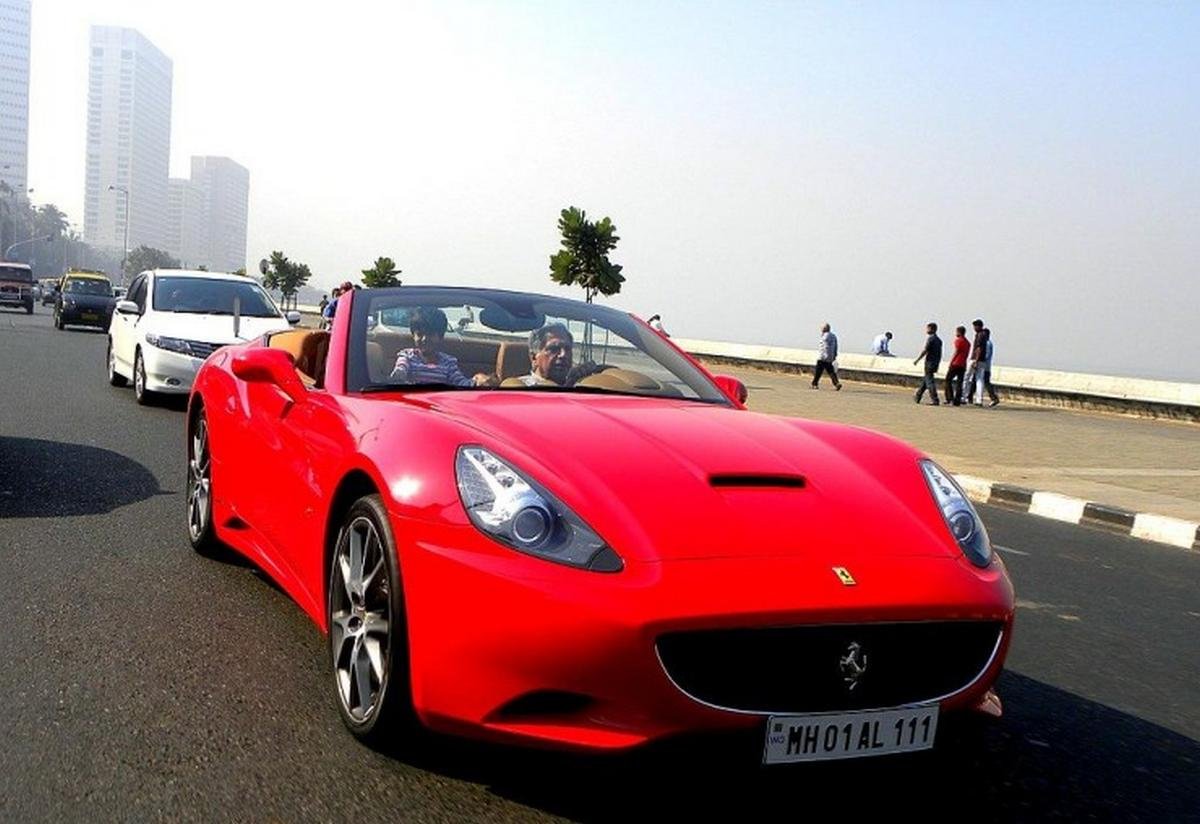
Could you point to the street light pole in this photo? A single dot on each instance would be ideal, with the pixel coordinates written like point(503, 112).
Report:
point(125, 246)
point(23, 242)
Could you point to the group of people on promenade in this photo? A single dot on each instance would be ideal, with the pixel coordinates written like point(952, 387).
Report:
point(969, 371)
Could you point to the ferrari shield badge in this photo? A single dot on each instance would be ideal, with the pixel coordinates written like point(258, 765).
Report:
point(844, 576)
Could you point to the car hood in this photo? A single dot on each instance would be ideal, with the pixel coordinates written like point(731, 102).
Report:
point(212, 328)
point(669, 480)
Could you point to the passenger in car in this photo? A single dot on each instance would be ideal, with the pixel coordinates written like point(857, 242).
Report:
point(424, 362)
point(550, 354)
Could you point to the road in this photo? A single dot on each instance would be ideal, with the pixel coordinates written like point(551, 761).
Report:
point(143, 682)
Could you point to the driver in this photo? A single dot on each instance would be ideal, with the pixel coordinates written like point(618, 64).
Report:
point(550, 350)
point(425, 363)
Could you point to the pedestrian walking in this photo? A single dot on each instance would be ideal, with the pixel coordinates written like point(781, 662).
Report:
point(882, 345)
point(978, 346)
point(932, 355)
point(983, 373)
point(958, 367)
point(827, 351)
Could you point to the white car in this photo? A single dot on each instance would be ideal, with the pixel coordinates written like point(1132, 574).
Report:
point(172, 319)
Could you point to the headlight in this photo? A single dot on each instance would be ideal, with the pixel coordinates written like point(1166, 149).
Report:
point(170, 344)
point(71, 302)
point(518, 512)
point(961, 517)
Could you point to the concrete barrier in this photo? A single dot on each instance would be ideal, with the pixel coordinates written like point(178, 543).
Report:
point(1130, 396)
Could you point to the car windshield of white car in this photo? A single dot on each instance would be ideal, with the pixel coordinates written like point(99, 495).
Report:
point(212, 296)
point(425, 338)
point(89, 286)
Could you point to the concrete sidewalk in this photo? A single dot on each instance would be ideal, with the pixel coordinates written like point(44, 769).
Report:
point(1140, 465)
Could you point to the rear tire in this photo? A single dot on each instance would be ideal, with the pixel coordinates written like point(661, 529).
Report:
point(201, 533)
point(29, 308)
point(368, 633)
point(115, 378)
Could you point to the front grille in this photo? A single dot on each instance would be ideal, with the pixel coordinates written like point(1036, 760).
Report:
point(201, 349)
point(799, 669)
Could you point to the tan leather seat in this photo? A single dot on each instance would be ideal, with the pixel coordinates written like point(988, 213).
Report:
point(308, 348)
point(512, 360)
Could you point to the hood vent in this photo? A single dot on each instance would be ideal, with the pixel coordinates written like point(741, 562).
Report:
point(757, 481)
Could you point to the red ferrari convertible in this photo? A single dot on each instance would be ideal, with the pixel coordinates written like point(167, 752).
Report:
point(536, 519)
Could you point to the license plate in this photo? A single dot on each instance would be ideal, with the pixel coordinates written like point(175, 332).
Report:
point(829, 736)
point(89, 316)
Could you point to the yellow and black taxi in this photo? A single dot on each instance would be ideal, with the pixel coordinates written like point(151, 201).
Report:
point(16, 286)
point(84, 299)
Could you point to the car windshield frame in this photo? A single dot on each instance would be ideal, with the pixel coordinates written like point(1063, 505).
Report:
point(101, 283)
point(164, 282)
point(368, 304)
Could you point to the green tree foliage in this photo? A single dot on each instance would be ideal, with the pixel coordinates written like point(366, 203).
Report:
point(583, 259)
point(286, 275)
point(146, 257)
point(383, 273)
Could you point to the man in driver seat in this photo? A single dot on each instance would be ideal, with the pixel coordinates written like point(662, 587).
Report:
point(550, 353)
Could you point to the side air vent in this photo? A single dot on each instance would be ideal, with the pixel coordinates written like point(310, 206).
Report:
point(758, 481)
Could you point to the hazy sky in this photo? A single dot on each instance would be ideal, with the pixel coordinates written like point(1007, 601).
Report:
point(769, 166)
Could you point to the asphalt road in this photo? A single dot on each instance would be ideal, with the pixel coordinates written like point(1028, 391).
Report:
point(142, 682)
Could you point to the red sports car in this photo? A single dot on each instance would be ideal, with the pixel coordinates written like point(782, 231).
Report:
point(536, 519)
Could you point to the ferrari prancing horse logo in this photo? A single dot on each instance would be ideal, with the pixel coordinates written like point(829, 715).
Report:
point(853, 664)
point(844, 576)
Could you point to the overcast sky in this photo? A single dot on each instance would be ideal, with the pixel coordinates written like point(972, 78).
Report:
point(769, 166)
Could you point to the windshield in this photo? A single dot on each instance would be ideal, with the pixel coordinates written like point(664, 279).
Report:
point(437, 339)
point(211, 296)
point(16, 273)
point(88, 286)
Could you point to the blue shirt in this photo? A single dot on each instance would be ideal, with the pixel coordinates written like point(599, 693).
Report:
point(411, 368)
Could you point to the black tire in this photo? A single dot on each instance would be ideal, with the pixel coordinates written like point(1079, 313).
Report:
point(385, 718)
point(201, 533)
point(143, 395)
point(29, 308)
point(115, 378)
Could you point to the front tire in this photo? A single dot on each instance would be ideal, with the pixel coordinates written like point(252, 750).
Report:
point(368, 634)
point(201, 534)
point(115, 378)
point(144, 396)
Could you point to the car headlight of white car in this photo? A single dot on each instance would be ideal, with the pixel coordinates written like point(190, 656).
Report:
point(517, 511)
point(960, 516)
point(179, 345)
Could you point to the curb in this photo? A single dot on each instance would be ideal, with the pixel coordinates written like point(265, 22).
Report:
point(1144, 525)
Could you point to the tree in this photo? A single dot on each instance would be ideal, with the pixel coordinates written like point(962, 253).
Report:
point(583, 260)
point(383, 273)
point(147, 257)
point(286, 275)
point(50, 221)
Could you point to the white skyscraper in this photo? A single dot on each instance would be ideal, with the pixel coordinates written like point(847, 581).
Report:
point(128, 139)
point(208, 215)
point(14, 95)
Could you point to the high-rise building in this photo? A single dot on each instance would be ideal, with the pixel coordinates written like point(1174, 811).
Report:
point(14, 96)
point(208, 214)
point(226, 187)
point(128, 140)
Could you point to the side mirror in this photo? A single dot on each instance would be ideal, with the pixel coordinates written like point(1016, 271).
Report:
point(273, 366)
point(733, 388)
point(127, 307)
point(293, 317)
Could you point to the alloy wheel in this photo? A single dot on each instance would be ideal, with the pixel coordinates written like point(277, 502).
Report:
point(360, 619)
point(199, 490)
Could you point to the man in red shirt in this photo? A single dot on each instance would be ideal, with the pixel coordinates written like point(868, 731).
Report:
point(958, 367)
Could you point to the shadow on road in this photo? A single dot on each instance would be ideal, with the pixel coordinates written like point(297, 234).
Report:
point(1055, 756)
point(45, 479)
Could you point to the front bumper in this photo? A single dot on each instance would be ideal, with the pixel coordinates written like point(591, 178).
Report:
point(14, 300)
point(520, 649)
point(99, 318)
point(169, 372)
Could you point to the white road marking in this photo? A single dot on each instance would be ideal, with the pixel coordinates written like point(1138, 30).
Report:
point(1010, 551)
